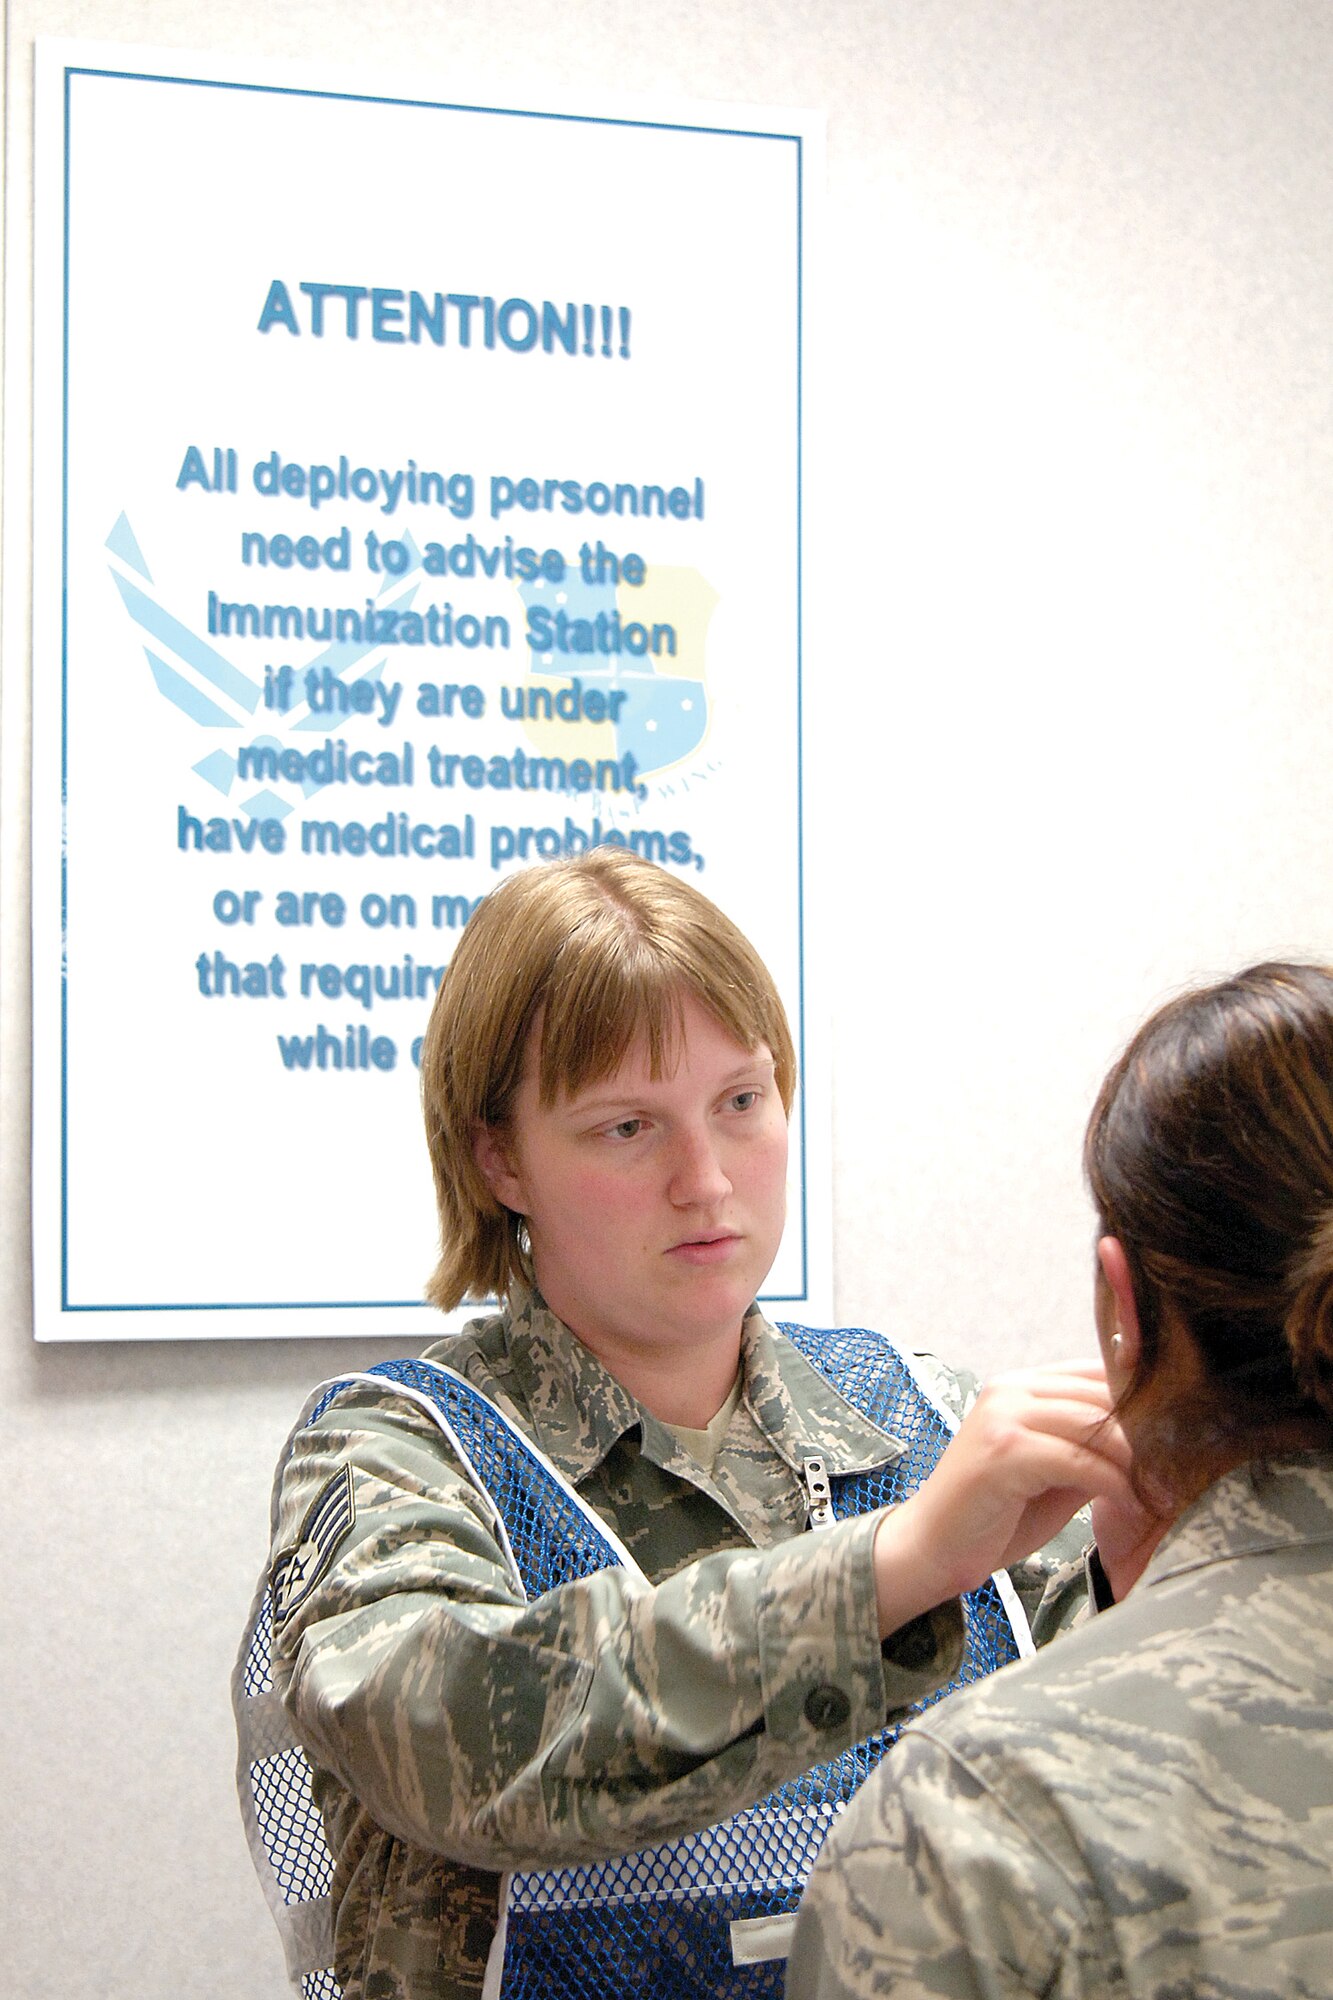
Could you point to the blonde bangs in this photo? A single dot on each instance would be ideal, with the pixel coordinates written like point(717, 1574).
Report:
point(612, 984)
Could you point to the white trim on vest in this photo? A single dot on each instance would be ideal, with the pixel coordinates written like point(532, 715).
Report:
point(1004, 1583)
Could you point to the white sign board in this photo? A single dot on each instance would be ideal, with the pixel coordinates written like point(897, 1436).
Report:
point(417, 497)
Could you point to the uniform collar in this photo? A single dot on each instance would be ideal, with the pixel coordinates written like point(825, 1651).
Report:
point(799, 1411)
point(579, 1412)
point(577, 1409)
point(1270, 1504)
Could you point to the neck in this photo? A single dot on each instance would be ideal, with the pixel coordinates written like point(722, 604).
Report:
point(677, 1387)
point(1273, 1440)
point(1170, 1482)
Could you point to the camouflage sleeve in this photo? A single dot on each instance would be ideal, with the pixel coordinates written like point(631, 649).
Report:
point(953, 1389)
point(1075, 1591)
point(600, 1717)
point(1053, 1584)
point(930, 1889)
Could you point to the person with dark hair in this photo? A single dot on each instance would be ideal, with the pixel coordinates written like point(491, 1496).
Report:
point(543, 1613)
point(1147, 1810)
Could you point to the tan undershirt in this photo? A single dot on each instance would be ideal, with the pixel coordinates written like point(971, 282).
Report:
point(703, 1446)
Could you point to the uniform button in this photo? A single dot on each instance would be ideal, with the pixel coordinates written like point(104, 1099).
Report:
point(827, 1707)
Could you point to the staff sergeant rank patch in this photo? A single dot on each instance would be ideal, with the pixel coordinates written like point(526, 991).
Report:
point(297, 1570)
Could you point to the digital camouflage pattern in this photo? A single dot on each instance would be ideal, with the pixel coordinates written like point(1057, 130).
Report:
point(1144, 1813)
point(445, 1717)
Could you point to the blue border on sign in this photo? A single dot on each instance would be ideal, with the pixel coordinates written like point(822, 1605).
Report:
point(73, 70)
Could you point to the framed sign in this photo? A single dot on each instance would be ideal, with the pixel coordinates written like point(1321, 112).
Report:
point(417, 498)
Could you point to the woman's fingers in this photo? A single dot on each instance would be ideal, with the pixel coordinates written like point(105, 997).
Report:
point(1035, 1446)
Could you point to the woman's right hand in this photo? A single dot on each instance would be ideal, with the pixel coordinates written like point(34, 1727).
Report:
point(1037, 1444)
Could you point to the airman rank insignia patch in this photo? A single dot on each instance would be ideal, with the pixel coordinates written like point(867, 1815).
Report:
point(298, 1569)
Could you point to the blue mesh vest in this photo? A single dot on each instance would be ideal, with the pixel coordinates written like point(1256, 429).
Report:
point(705, 1917)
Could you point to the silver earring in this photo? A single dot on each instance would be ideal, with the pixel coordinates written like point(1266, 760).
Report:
point(1117, 1342)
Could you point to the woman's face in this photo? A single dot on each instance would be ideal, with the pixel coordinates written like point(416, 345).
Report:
point(654, 1205)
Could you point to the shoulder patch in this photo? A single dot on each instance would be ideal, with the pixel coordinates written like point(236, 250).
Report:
point(298, 1569)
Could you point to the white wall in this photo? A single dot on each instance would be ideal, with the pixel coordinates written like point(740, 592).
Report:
point(1072, 478)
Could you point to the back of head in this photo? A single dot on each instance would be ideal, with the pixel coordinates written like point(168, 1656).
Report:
point(600, 949)
point(1210, 1156)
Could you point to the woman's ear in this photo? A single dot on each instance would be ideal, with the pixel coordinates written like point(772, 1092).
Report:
point(491, 1151)
point(1122, 1341)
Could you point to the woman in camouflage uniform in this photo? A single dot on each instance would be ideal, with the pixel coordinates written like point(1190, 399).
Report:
point(1147, 1811)
point(606, 1079)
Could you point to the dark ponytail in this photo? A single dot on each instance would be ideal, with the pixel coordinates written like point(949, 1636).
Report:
point(1309, 1327)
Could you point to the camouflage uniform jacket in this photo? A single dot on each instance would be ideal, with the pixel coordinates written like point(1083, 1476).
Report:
point(458, 1731)
point(1145, 1811)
